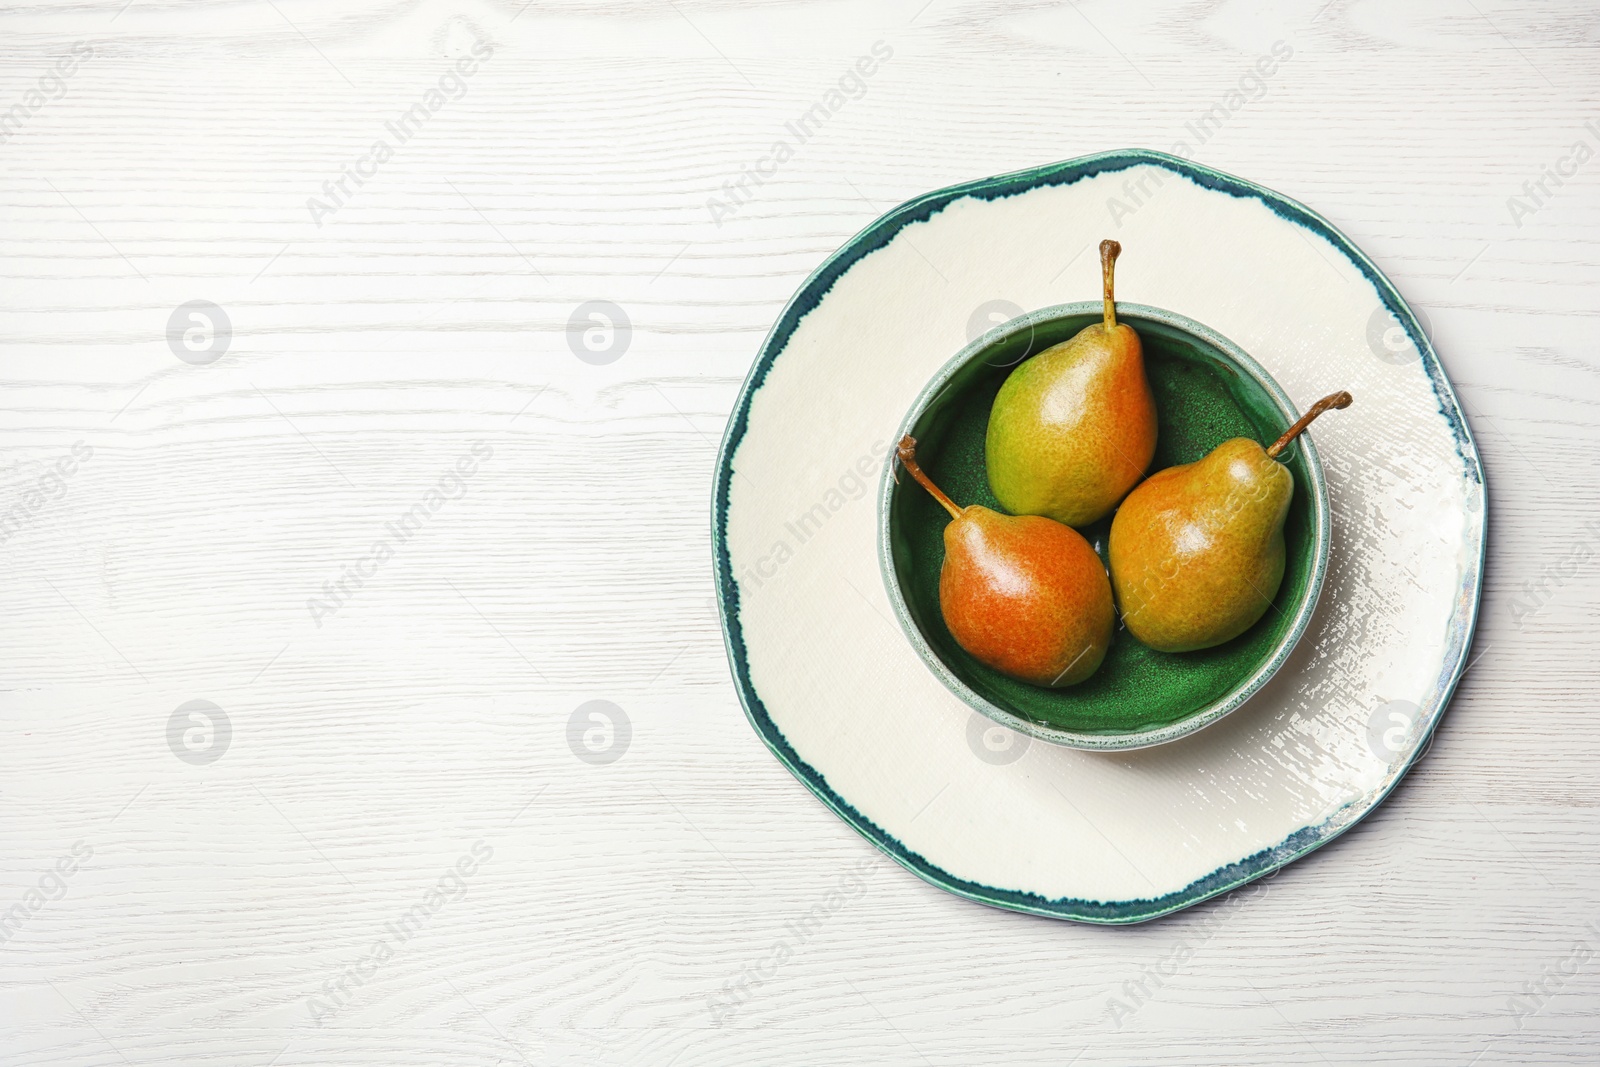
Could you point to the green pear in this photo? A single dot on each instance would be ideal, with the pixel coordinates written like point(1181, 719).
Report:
point(1073, 428)
point(1197, 551)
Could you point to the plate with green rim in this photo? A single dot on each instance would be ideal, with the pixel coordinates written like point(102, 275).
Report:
point(829, 681)
point(1207, 390)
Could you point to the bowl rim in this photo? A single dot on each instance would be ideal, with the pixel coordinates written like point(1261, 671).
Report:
point(1217, 709)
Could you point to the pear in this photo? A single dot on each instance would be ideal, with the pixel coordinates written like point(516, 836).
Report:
point(1073, 428)
point(1022, 593)
point(1197, 551)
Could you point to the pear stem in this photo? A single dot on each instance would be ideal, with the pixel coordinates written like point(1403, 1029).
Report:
point(1109, 251)
point(907, 453)
point(1334, 400)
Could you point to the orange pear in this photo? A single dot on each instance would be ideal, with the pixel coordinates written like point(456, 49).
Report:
point(1022, 593)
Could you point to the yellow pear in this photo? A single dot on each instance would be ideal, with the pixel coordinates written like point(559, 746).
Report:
point(1073, 428)
point(1197, 551)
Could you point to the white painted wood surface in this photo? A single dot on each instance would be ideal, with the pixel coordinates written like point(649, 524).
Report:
point(210, 907)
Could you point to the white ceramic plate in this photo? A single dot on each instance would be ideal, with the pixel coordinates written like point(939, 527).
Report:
point(834, 689)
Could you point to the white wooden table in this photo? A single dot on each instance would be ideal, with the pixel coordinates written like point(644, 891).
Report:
point(391, 844)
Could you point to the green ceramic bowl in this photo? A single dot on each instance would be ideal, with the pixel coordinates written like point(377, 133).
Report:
point(1207, 390)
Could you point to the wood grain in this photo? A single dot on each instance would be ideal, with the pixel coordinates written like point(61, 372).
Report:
point(430, 712)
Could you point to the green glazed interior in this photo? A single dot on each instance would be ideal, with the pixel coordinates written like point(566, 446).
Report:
point(1203, 397)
